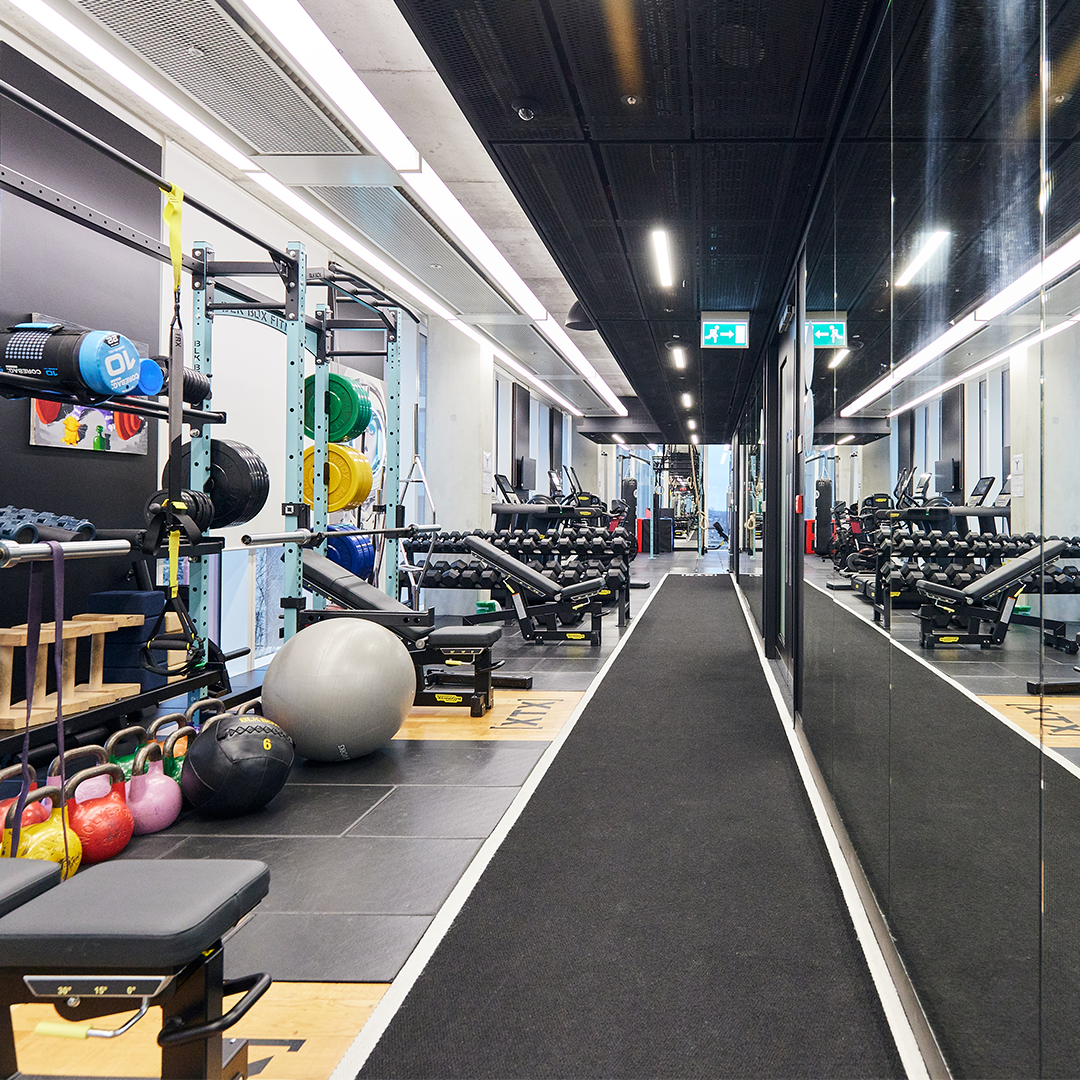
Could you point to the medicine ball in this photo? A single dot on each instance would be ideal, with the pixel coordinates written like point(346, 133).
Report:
point(236, 764)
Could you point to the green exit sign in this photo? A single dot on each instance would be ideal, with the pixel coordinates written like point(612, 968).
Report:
point(725, 329)
point(827, 329)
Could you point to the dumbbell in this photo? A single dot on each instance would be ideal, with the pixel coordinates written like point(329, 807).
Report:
point(568, 576)
point(490, 578)
point(1064, 581)
point(470, 577)
point(433, 578)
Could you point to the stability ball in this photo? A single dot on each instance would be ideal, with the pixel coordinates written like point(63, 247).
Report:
point(340, 688)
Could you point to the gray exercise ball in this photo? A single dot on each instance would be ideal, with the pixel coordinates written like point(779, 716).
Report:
point(340, 688)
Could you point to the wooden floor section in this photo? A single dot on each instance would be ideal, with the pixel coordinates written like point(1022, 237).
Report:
point(1054, 722)
point(298, 1031)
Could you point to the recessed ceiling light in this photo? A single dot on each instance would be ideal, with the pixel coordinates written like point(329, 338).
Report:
point(930, 244)
point(691, 424)
point(845, 439)
point(694, 439)
point(618, 439)
point(631, 99)
point(680, 356)
point(663, 258)
point(839, 358)
point(687, 401)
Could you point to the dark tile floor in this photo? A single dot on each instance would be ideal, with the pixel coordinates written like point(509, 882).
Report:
point(363, 853)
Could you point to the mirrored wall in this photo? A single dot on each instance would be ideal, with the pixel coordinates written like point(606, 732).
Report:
point(940, 584)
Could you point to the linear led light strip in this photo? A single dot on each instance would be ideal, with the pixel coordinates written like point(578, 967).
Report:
point(1054, 266)
point(298, 35)
point(986, 365)
point(383, 139)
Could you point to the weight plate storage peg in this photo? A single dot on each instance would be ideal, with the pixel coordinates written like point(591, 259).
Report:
point(348, 408)
point(239, 483)
point(349, 480)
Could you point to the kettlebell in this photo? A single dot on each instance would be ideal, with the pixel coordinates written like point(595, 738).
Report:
point(153, 798)
point(104, 825)
point(125, 761)
point(34, 813)
point(193, 711)
point(174, 763)
point(45, 841)
point(91, 789)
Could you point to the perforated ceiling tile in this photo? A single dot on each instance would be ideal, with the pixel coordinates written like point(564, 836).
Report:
point(208, 55)
point(392, 223)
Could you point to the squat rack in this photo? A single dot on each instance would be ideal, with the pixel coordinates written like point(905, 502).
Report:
point(215, 292)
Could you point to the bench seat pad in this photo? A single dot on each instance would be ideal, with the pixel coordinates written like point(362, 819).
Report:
point(464, 637)
point(23, 879)
point(139, 913)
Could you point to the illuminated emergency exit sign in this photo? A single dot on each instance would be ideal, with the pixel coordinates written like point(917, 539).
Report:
point(725, 329)
point(827, 329)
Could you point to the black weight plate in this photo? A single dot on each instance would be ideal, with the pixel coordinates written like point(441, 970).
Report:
point(238, 485)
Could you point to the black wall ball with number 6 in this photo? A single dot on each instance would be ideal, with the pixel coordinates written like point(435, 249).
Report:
point(237, 764)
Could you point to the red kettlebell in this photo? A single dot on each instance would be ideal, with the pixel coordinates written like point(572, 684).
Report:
point(103, 825)
point(153, 798)
point(35, 812)
point(91, 789)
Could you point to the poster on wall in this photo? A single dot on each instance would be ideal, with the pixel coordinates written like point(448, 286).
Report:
point(86, 427)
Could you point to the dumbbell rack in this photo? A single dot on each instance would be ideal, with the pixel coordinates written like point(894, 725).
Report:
point(534, 548)
point(905, 557)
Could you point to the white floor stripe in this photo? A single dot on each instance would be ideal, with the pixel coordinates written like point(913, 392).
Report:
point(1049, 751)
point(372, 1031)
point(906, 1044)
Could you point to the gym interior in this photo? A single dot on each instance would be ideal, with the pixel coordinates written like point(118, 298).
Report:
point(536, 538)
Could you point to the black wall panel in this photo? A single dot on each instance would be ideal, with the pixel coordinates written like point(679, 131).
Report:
point(54, 266)
point(519, 432)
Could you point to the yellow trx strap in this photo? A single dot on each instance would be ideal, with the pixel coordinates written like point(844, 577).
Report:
point(172, 213)
point(173, 210)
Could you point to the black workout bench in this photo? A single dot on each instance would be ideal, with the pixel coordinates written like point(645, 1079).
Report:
point(132, 934)
point(540, 622)
point(428, 646)
point(984, 609)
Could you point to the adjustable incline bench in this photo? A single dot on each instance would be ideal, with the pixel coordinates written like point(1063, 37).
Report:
point(427, 645)
point(127, 935)
point(985, 608)
point(539, 622)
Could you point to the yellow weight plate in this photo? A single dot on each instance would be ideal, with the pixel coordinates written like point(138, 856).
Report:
point(349, 480)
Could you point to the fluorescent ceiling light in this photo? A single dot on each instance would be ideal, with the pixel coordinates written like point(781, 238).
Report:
point(663, 258)
point(116, 69)
point(694, 439)
point(520, 370)
point(930, 244)
point(618, 439)
point(839, 358)
point(330, 71)
point(845, 439)
point(301, 38)
point(691, 424)
point(687, 401)
point(680, 356)
point(986, 365)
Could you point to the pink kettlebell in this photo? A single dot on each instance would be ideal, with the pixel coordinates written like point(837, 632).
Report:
point(97, 787)
point(153, 798)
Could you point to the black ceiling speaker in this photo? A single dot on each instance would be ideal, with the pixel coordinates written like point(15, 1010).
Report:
point(578, 319)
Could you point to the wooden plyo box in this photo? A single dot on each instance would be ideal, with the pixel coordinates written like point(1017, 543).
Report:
point(76, 699)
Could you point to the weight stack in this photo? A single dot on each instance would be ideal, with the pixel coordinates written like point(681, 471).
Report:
point(123, 647)
point(823, 517)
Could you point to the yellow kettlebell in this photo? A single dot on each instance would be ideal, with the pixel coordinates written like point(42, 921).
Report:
point(45, 841)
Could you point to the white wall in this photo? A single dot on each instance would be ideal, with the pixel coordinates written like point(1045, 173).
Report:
point(585, 458)
point(876, 463)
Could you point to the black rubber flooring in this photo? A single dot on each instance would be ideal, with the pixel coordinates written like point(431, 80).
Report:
point(665, 905)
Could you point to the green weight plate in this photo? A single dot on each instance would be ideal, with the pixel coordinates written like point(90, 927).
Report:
point(348, 412)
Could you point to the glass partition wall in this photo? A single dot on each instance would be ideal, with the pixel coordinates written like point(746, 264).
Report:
point(938, 613)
